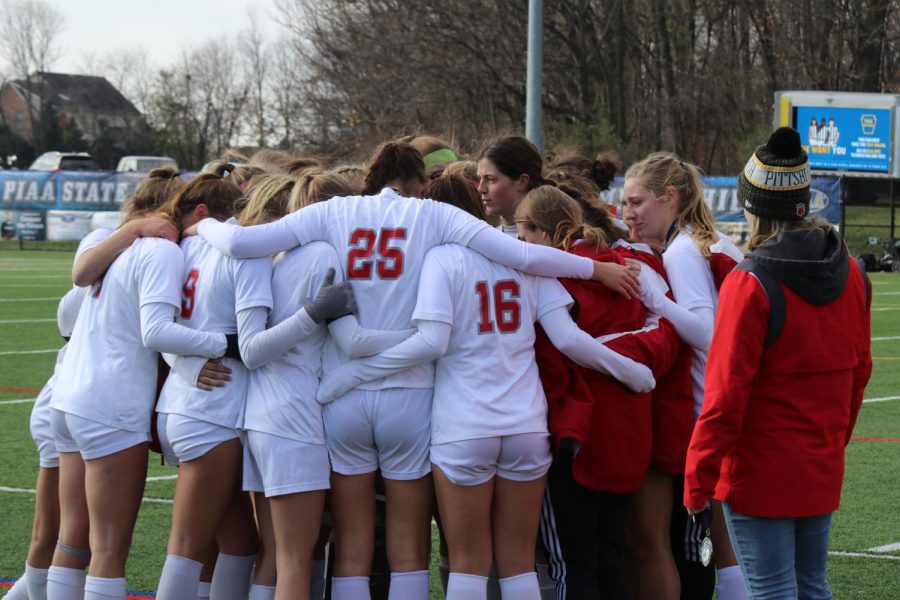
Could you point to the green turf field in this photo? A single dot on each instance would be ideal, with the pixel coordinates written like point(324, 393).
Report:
point(31, 283)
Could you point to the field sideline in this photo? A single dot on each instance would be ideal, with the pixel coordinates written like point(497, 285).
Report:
point(865, 542)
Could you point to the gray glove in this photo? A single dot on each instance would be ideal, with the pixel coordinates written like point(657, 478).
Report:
point(332, 302)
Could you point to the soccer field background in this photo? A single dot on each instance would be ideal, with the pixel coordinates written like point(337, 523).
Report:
point(865, 541)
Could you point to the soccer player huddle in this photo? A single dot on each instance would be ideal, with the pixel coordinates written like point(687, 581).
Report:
point(482, 339)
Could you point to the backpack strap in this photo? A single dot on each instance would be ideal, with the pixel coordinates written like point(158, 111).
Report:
point(777, 304)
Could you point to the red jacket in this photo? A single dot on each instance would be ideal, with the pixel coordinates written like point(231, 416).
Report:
point(612, 424)
point(673, 398)
point(776, 420)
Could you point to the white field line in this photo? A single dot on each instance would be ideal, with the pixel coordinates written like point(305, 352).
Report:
point(17, 401)
point(29, 277)
point(887, 293)
point(16, 321)
point(7, 286)
point(874, 339)
point(54, 298)
point(29, 352)
point(14, 490)
point(886, 309)
point(895, 547)
point(863, 555)
point(884, 399)
point(162, 478)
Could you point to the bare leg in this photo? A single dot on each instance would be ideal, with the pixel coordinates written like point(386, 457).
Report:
point(74, 525)
point(408, 523)
point(114, 485)
point(466, 524)
point(264, 573)
point(649, 545)
point(516, 516)
point(352, 506)
point(297, 519)
point(45, 528)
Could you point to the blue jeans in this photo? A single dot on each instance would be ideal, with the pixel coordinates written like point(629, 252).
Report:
point(781, 558)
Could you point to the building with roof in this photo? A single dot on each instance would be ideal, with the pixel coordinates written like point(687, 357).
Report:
point(92, 101)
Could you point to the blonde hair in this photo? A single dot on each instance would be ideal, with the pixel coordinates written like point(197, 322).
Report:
point(663, 171)
point(271, 161)
point(268, 199)
point(764, 229)
point(558, 215)
point(316, 185)
point(353, 175)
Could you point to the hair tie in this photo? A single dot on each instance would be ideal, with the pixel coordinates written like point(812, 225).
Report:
point(227, 169)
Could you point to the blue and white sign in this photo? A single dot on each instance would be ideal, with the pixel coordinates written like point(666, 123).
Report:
point(847, 139)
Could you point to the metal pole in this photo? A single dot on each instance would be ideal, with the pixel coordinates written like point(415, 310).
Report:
point(533, 117)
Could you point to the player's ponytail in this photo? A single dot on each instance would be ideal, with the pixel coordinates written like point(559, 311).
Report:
point(393, 161)
point(219, 195)
point(559, 216)
point(267, 200)
point(154, 191)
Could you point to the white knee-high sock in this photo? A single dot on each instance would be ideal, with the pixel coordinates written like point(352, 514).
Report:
point(19, 590)
point(262, 592)
point(520, 587)
point(64, 583)
point(730, 584)
point(231, 577)
point(463, 586)
point(203, 590)
point(350, 588)
point(36, 580)
point(104, 588)
point(317, 580)
point(180, 578)
point(412, 585)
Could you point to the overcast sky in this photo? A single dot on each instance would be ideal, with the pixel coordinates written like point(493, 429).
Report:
point(162, 27)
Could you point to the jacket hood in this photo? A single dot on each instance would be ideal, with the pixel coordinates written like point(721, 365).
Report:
point(813, 263)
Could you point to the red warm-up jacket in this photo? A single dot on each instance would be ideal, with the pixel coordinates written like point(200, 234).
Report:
point(776, 419)
point(612, 424)
point(673, 399)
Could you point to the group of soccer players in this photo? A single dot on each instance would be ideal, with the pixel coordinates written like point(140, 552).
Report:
point(487, 339)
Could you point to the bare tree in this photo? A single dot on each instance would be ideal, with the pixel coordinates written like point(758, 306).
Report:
point(29, 41)
point(256, 55)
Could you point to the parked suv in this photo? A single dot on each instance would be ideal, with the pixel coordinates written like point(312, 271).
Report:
point(144, 164)
point(64, 161)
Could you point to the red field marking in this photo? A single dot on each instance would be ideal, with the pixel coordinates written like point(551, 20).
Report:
point(862, 438)
point(21, 390)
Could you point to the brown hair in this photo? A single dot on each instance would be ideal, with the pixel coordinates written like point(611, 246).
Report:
point(463, 168)
point(456, 190)
point(215, 190)
point(426, 144)
point(663, 171)
point(317, 186)
point(558, 215)
point(515, 156)
point(154, 191)
point(595, 211)
point(601, 171)
point(390, 161)
point(763, 229)
point(240, 176)
point(267, 200)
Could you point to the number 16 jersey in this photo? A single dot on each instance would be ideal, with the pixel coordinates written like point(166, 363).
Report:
point(487, 382)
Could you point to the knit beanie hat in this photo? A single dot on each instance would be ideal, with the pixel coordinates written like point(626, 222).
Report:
point(775, 182)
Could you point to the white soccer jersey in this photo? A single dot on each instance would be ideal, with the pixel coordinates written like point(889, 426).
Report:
point(110, 376)
point(281, 399)
point(381, 243)
point(693, 287)
point(216, 288)
point(487, 383)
